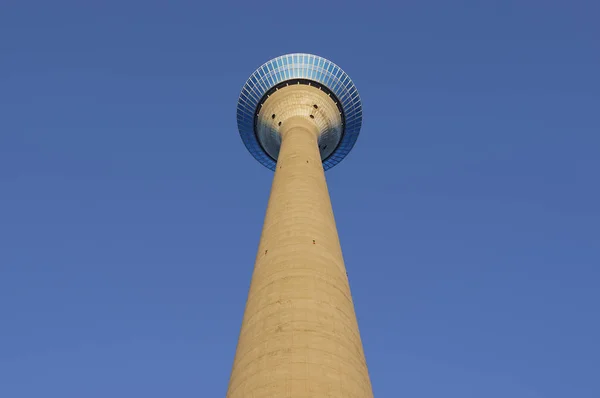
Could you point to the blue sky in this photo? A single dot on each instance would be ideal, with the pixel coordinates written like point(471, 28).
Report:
point(130, 211)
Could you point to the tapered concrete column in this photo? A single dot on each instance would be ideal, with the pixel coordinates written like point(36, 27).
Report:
point(299, 335)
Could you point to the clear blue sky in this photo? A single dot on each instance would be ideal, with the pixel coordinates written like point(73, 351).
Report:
point(130, 211)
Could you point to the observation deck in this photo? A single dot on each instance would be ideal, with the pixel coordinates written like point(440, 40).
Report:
point(299, 85)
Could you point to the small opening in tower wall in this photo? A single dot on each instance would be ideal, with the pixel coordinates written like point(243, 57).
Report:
point(279, 124)
point(312, 116)
point(315, 106)
point(273, 116)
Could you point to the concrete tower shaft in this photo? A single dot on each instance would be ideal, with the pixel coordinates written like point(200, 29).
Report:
point(299, 335)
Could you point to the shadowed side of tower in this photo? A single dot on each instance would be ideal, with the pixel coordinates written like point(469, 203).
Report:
point(299, 335)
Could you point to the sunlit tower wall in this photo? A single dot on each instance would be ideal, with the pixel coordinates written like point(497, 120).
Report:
point(299, 115)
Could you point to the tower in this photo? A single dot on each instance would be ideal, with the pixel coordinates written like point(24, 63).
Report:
point(299, 115)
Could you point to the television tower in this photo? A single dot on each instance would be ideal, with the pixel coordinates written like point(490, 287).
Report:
point(299, 115)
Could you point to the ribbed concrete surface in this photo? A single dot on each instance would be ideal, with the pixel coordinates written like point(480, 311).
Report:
point(299, 334)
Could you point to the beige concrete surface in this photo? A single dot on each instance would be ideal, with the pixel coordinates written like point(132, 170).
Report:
point(299, 335)
point(299, 100)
